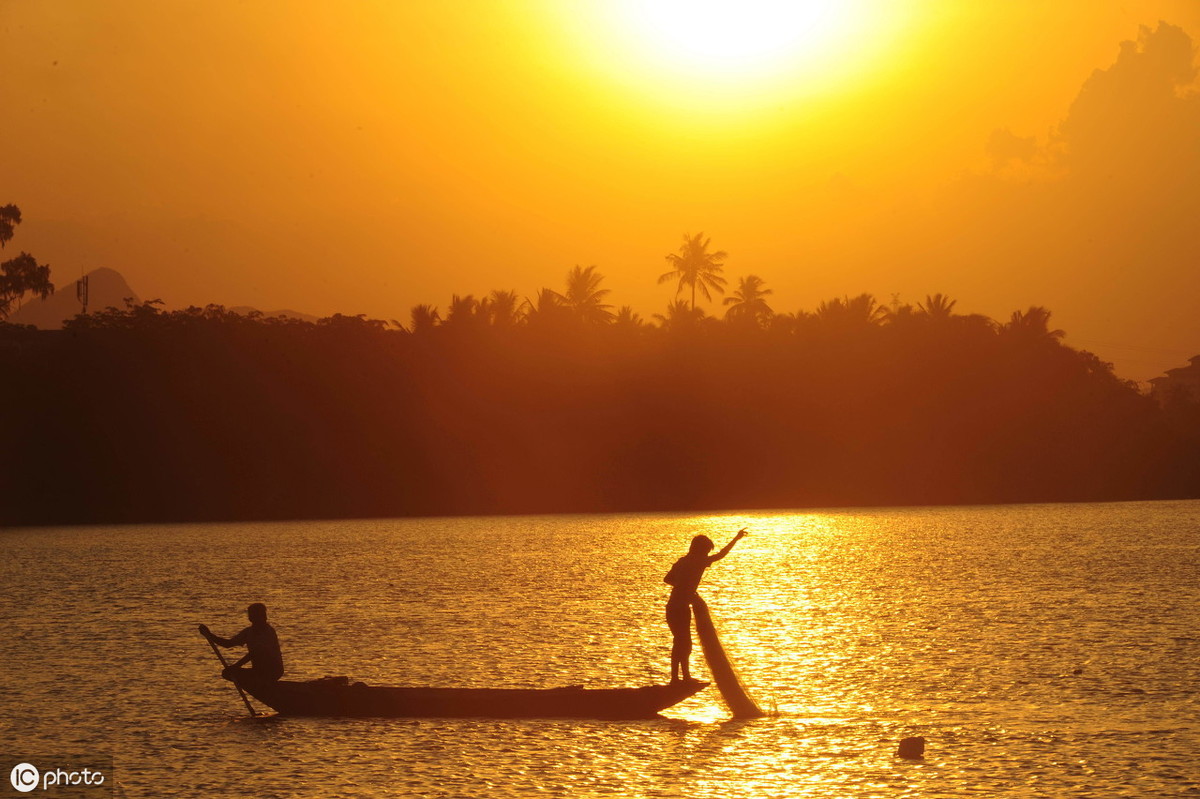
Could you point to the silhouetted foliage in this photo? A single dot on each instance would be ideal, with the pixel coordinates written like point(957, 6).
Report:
point(424, 318)
point(465, 313)
point(747, 304)
point(849, 314)
point(141, 414)
point(504, 309)
point(546, 311)
point(10, 217)
point(585, 297)
point(694, 266)
point(937, 307)
point(21, 275)
point(1031, 327)
point(681, 318)
point(628, 319)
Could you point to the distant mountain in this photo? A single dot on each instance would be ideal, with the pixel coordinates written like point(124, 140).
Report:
point(246, 310)
point(106, 287)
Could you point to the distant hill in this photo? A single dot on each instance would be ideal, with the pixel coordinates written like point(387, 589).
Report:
point(246, 310)
point(106, 287)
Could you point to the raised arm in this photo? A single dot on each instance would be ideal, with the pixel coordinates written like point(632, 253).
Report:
point(740, 534)
point(237, 640)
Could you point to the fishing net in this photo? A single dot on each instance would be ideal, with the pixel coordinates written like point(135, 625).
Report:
point(736, 697)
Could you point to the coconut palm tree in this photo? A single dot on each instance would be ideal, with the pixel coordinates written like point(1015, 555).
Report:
point(680, 317)
point(503, 308)
point(424, 318)
point(695, 266)
point(847, 312)
point(746, 304)
point(901, 315)
point(548, 308)
point(937, 307)
point(1032, 325)
point(628, 319)
point(976, 324)
point(466, 313)
point(584, 296)
point(787, 324)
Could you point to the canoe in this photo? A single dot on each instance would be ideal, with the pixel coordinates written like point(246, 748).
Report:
point(337, 696)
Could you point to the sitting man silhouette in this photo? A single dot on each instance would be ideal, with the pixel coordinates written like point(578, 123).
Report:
point(262, 645)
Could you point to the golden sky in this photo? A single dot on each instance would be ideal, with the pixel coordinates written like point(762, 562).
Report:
point(364, 157)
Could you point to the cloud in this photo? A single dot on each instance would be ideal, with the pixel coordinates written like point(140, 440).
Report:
point(1004, 147)
point(1141, 116)
point(1098, 223)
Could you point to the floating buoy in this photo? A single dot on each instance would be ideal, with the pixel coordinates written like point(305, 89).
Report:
point(912, 748)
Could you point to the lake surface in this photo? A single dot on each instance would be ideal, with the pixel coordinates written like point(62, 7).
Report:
point(1042, 650)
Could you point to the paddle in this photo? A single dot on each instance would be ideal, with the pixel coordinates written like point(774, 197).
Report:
point(225, 665)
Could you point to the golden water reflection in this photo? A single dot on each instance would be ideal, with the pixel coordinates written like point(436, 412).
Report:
point(1042, 651)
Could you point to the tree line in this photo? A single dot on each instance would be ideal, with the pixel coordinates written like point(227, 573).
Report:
point(562, 403)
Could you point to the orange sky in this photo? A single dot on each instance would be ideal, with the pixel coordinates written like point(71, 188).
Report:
point(366, 157)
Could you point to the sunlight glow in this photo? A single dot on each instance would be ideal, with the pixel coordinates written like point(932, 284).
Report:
point(740, 36)
point(716, 60)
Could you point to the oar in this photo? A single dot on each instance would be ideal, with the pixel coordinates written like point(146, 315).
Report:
point(225, 665)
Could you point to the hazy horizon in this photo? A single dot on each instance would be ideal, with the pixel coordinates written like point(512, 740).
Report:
point(366, 159)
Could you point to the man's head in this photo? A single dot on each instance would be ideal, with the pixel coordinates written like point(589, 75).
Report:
point(257, 613)
point(701, 545)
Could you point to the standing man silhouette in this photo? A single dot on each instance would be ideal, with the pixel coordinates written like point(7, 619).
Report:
point(684, 579)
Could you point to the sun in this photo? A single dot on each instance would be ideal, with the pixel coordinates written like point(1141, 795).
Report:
point(725, 64)
point(727, 61)
point(737, 39)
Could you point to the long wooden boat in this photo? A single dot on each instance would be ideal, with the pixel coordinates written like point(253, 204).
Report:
point(337, 696)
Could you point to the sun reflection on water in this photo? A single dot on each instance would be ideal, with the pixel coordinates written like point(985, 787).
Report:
point(1041, 651)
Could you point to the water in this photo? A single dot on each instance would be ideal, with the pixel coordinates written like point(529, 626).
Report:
point(1049, 650)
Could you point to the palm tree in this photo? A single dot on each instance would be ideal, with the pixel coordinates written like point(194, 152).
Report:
point(695, 266)
point(747, 303)
point(424, 317)
point(584, 296)
point(787, 323)
point(465, 312)
point(937, 307)
point(548, 308)
point(680, 316)
point(860, 311)
point(977, 324)
point(628, 319)
point(503, 308)
point(900, 315)
point(1032, 325)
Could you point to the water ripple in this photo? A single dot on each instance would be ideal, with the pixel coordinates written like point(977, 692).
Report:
point(1040, 650)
